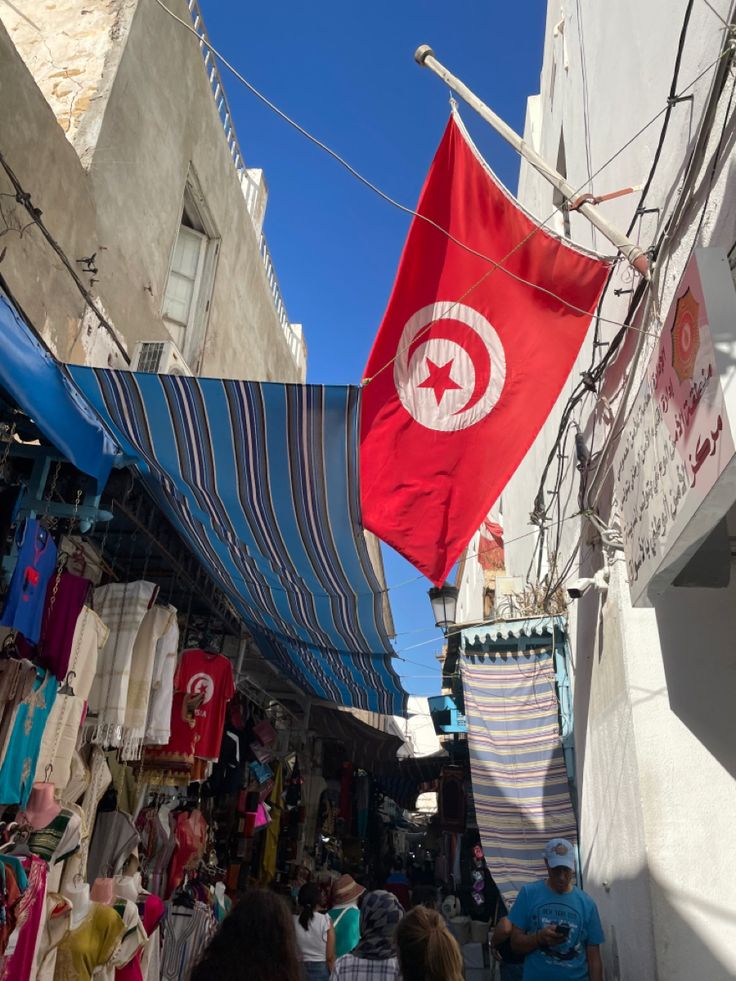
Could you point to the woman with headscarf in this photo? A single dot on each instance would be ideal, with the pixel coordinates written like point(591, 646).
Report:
point(374, 959)
point(344, 914)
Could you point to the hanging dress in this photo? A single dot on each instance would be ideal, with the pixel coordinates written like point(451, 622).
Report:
point(63, 605)
point(156, 624)
point(158, 723)
point(122, 606)
point(34, 568)
point(19, 765)
point(90, 636)
point(20, 956)
point(90, 945)
point(190, 831)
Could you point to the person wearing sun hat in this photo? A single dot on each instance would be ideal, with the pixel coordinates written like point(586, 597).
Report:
point(345, 914)
point(556, 924)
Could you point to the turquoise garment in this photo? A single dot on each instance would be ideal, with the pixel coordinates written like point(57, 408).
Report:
point(347, 929)
point(18, 871)
point(539, 906)
point(24, 745)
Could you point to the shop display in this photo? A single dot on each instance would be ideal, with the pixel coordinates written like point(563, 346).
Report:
point(140, 792)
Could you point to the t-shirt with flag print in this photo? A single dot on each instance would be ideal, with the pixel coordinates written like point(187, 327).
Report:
point(209, 676)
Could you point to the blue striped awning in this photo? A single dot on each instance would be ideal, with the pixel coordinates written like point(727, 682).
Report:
point(261, 480)
point(520, 784)
point(33, 378)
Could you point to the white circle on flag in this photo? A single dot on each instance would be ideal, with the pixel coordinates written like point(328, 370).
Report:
point(450, 368)
point(201, 684)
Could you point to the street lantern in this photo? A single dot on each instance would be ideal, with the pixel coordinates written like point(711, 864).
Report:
point(444, 605)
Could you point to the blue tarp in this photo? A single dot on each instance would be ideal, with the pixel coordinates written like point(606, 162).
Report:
point(35, 381)
point(262, 481)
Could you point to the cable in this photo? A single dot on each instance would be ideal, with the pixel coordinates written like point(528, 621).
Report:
point(597, 370)
point(714, 11)
point(203, 41)
point(614, 438)
point(23, 197)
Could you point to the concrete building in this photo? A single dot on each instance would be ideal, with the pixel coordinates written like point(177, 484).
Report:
point(115, 122)
point(654, 678)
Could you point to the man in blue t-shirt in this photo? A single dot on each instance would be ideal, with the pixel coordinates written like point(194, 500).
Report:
point(556, 924)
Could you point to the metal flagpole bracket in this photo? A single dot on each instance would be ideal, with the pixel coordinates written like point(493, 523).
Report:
point(424, 56)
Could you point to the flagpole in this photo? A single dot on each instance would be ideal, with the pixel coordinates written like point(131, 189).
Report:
point(424, 56)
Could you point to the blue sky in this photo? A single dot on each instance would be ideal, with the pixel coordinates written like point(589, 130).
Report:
point(345, 71)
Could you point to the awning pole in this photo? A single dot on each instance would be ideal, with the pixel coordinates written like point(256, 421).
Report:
point(424, 55)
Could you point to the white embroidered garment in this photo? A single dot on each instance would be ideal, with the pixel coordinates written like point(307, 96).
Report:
point(60, 740)
point(90, 636)
point(122, 606)
point(158, 724)
point(156, 624)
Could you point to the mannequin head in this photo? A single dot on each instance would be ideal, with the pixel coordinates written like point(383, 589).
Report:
point(102, 891)
point(127, 886)
point(77, 892)
point(42, 805)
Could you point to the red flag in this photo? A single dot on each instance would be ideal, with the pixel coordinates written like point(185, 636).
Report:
point(463, 373)
point(490, 546)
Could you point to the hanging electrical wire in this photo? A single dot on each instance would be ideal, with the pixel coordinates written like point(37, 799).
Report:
point(591, 379)
point(496, 265)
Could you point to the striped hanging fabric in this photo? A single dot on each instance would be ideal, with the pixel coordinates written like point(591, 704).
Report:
point(261, 480)
point(520, 785)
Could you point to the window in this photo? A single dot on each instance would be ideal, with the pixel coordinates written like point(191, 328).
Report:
point(191, 274)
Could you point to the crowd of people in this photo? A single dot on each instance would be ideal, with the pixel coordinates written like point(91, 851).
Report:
point(553, 927)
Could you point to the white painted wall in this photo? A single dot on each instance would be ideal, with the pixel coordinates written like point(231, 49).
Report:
point(654, 689)
point(417, 729)
point(470, 586)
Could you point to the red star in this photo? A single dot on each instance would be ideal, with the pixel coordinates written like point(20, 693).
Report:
point(439, 379)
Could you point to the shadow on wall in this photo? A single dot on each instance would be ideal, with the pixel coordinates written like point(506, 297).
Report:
point(696, 632)
point(681, 953)
point(588, 623)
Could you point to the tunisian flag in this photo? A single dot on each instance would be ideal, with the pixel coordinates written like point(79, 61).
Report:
point(468, 361)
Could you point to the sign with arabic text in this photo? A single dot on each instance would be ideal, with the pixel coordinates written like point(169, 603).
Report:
point(677, 441)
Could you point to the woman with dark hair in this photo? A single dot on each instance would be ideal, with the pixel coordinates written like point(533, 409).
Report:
point(315, 937)
point(427, 949)
point(374, 959)
point(255, 942)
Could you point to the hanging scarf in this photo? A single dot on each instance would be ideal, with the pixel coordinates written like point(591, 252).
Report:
point(379, 917)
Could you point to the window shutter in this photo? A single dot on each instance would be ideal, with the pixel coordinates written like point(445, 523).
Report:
point(186, 267)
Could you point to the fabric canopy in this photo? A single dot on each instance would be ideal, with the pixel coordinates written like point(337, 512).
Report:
point(366, 746)
point(520, 786)
point(262, 481)
point(404, 780)
point(36, 383)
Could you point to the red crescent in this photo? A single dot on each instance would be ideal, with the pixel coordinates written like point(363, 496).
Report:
point(456, 331)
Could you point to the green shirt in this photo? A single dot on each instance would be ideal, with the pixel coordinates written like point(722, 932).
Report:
point(347, 929)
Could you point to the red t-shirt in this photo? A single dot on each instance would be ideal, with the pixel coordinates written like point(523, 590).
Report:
point(210, 675)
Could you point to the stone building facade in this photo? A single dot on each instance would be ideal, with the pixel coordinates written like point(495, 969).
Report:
point(115, 122)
